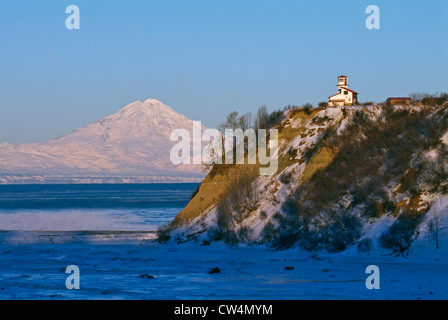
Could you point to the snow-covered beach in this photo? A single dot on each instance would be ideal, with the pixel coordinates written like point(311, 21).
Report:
point(126, 262)
point(116, 268)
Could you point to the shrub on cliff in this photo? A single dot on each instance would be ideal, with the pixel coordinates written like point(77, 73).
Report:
point(399, 236)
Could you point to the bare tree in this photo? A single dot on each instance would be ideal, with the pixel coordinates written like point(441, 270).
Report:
point(419, 96)
point(230, 123)
point(245, 121)
point(215, 154)
point(435, 223)
point(261, 120)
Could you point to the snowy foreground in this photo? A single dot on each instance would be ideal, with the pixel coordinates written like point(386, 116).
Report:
point(114, 269)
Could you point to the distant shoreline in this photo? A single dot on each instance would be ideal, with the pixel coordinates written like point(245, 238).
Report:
point(6, 179)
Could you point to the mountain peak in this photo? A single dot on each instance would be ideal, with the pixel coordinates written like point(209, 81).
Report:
point(152, 101)
point(151, 106)
point(156, 105)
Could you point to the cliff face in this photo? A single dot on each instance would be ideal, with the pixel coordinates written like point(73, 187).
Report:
point(373, 177)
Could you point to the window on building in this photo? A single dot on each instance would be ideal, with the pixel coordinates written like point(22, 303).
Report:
point(345, 92)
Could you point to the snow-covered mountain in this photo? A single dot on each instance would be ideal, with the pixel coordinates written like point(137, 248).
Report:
point(131, 145)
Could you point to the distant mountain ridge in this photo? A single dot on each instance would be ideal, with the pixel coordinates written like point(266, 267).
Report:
point(131, 145)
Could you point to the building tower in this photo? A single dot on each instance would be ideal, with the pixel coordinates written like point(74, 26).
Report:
point(342, 82)
point(345, 96)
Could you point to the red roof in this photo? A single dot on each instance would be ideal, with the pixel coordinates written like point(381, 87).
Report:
point(350, 90)
point(342, 77)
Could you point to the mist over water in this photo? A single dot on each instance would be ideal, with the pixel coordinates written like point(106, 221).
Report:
point(101, 207)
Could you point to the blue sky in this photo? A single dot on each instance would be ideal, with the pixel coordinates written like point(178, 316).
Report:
point(207, 58)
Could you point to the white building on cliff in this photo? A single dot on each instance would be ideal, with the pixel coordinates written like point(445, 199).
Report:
point(345, 96)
